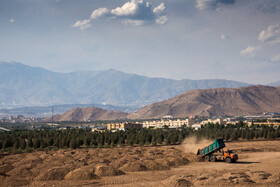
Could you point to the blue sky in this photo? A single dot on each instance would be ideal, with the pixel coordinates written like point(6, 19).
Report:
point(179, 39)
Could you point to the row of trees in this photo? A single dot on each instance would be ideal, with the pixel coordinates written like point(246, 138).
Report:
point(75, 138)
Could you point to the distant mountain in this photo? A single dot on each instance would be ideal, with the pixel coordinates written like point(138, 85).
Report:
point(252, 100)
point(59, 109)
point(23, 85)
point(274, 84)
point(90, 113)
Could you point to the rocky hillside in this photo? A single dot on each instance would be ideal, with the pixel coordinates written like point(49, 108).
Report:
point(250, 100)
point(217, 102)
point(90, 113)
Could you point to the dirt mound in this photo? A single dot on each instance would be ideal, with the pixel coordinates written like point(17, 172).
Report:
point(154, 152)
point(274, 179)
point(2, 177)
point(239, 177)
point(23, 171)
point(5, 168)
point(154, 165)
point(192, 157)
point(83, 173)
point(176, 161)
point(12, 181)
point(176, 181)
point(260, 175)
point(118, 163)
point(31, 160)
point(78, 167)
point(102, 171)
point(164, 162)
point(133, 166)
point(56, 173)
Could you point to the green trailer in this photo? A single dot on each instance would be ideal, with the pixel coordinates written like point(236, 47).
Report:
point(217, 145)
point(207, 153)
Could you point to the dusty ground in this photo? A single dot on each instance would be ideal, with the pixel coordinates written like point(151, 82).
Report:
point(259, 165)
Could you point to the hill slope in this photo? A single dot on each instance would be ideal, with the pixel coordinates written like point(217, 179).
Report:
point(216, 102)
point(250, 100)
point(89, 113)
point(30, 86)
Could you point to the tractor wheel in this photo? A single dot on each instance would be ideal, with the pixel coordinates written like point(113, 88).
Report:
point(233, 161)
point(206, 158)
point(228, 160)
point(213, 159)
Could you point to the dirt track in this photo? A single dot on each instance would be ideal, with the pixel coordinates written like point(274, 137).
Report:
point(258, 165)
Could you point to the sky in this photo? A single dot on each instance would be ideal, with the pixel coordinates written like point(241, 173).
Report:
point(179, 39)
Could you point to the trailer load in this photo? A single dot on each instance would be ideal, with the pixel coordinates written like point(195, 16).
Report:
point(211, 152)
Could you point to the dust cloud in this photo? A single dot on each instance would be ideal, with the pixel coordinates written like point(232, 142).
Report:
point(192, 144)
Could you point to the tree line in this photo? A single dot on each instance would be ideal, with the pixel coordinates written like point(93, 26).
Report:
point(18, 141)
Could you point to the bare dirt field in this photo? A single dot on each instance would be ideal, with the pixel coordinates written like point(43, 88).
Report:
point(258, 165)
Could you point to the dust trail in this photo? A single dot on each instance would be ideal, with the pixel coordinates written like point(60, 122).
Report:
point(192, 144)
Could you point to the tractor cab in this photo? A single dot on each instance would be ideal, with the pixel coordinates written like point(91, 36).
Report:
point(229, 154)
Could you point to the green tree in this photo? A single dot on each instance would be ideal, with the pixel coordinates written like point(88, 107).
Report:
point(51, 142)
point(167, 140)
point(73, 143)
point(36, 143)
point(16, 144)
point(23, 144)
point(160, 139)
point(7, 143)
point(154, 142)
point(29, 142)
point(234, 135)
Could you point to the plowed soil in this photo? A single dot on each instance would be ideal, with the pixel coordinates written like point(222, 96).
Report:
point(258, 165)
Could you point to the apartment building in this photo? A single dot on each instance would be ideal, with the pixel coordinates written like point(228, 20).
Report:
point(170, 123)
point(220, 121)
point(123, 126)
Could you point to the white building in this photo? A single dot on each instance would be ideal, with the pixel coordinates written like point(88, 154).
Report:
point(220, 121)
point(197, 126)
point(170, 123)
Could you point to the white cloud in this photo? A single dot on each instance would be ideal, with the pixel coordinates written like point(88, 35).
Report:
point(211, 4)
point(204, 4)
point(133, 22)
point(82, 24)
point(128, 9)
point(249, 51)
point(134, 12)
point(162, 20)
point(223, 36)
point(11, 20)
point(271, 34)
point(159, 9)
point(276, 58)
point(100, 12)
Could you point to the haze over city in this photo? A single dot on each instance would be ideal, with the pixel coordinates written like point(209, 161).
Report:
point(196, 39)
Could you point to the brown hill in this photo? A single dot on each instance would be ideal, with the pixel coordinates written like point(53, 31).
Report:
point(250, 100)
point(90, 113)
point(217, 102)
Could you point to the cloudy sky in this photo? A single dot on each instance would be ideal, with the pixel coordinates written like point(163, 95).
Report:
point(179, 39)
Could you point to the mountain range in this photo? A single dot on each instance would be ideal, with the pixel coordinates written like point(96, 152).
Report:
point(23, 85)
point(252, 100)
point(44, 111)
